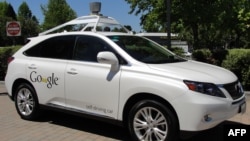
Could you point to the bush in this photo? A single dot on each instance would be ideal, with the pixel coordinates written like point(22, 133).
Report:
point(202, 55)
point(178, 51)
point(5, 53)
point(218, 56)
point(238, 61)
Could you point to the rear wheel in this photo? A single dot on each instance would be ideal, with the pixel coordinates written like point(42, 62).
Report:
point(152, 121)
point(26, 102)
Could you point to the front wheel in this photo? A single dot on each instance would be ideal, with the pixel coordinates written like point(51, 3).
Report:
point(152, 121)
point(26, 102)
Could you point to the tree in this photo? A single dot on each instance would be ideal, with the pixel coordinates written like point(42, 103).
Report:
point(209, 24)
point(24, 11)
point(198, 17)
point(230, 21)
point(128, 27)
point(244, 24)
point(150, 11)
point(7, 13)
point(10, 12)
point(6, 10)
point(29, 23)
point(56, 13)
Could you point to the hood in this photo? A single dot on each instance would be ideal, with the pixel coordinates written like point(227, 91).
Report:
point(196, 71)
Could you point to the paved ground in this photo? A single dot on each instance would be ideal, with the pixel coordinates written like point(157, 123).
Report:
point(62, 127)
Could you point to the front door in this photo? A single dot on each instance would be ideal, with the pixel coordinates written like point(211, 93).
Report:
point(90, 86)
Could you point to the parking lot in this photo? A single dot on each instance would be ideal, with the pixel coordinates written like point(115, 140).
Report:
point(54, 126)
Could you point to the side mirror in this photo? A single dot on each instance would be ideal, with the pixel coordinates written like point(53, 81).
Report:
point(107, 57)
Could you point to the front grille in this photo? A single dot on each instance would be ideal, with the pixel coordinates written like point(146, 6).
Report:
point(234, 89)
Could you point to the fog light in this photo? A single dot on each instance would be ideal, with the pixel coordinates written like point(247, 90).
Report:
point(207, 118)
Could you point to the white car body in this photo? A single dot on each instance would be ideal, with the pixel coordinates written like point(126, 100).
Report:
point(162, 80)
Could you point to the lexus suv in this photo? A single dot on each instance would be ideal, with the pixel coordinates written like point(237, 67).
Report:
point(124, 79)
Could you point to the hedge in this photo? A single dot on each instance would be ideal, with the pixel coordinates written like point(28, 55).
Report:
point(238, 61)
point(202, 55)
point(5, 53)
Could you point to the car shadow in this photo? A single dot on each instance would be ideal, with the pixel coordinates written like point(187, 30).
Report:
point(85, 125)
point(4, 93)
point(120, 133)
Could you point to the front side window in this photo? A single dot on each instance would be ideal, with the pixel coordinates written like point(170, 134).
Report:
point(88, 47)
point(56, 48)
point(144, 50)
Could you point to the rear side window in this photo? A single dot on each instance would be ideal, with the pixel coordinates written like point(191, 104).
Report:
point(56, 48)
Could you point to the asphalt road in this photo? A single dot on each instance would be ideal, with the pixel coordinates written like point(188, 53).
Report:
point(55, 126)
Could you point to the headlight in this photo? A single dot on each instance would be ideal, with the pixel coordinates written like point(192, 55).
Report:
point(204, 88)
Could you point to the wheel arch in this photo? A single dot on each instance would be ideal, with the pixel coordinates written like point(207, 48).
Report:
point(145, 96)
point(16, 84)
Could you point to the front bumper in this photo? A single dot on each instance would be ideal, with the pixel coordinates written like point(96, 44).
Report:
point(198, 112)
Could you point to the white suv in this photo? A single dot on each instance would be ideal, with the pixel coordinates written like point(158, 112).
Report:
point(123, 78)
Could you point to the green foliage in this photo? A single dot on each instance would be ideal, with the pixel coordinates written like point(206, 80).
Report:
point(10, 12)
point(24, 11)
point(128, 27)
point(202, 55)
point(6, 14)
point(5, 53)
point(7, 10)
point(238, 61)
point(4, 40)
point(178, 51)
point(150, 11)
point(56, 12)
point(3, 8)
point(218, 55)
point(29, 23)
point(204, 24)
point(214, 57)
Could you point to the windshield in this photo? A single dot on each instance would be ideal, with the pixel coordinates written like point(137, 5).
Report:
point(145, 50)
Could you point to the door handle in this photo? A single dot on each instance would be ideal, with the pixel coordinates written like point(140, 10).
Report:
point(32, 66)
point(72, 71)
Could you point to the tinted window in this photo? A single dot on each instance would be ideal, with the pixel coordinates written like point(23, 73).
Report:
point(56, 47)
point(162, 40)
point(87, 48)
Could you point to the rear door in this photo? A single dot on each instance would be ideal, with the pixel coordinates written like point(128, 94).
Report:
point(47, 68)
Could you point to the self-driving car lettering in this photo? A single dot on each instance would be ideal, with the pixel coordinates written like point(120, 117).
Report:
point(50, 81)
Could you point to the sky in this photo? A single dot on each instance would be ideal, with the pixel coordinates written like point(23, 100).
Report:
point(117, 9)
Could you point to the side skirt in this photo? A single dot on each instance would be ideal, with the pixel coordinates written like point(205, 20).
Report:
point(81, 114)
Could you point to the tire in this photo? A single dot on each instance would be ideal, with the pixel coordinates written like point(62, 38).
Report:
point(26, 102)
point(150, 120)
